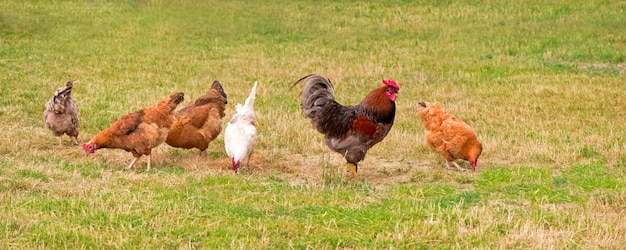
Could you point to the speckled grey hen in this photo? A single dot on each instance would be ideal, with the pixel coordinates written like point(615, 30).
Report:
point(61, 114)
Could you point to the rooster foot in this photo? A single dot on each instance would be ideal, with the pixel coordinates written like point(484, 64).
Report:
point(353, 168)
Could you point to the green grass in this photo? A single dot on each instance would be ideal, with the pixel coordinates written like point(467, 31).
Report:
point(531, 78)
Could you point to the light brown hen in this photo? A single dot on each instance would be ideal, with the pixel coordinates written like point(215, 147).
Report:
point(449, 136)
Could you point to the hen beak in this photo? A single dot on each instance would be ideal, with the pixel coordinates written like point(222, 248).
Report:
point(473, 164)
point(423, 104)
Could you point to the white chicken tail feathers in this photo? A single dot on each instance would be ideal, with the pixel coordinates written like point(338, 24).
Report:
point(248, 106)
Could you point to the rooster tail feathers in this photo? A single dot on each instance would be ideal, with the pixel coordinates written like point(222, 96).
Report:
point(316, 87)
point(248, 106)
point(317, 93)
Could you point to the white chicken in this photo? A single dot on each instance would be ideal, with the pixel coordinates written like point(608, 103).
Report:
point(240, 135)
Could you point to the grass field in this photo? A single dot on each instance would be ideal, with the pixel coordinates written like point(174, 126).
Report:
point(542, 83)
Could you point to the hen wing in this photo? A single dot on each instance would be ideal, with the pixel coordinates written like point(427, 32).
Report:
point(127, 124)
point(456, 134)
point(74, 112)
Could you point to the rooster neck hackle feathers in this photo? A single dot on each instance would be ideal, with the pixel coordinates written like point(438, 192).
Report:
point(378, 104)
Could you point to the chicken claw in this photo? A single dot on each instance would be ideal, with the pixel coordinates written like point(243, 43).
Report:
point(455, 165)
point(130, 166)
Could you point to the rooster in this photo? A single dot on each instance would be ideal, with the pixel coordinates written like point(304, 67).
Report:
point(61, 114)
point(240, 135)
point(138, 132)
point(199, 122)
point(349, 130)
point(449, 136)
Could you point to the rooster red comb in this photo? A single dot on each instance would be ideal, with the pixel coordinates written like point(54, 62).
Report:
point(391, 83)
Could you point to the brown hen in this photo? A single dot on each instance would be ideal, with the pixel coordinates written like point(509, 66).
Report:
point(138, 132)
point(200, 122)
point(449, 136)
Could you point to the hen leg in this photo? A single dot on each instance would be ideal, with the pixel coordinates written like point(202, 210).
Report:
point(458, 167)
point(353, 168)
point(61, 140)
point(202, 153)
point(149, 160)
point(74, 139)
point(248, 161)
point(130, 166)
point(247, 164)
point(455, 165)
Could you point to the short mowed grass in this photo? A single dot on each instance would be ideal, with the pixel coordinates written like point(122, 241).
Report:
point(542, 83)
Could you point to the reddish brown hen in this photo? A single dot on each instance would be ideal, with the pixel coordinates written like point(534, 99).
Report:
point(138, 132)
point(199, 122)
point(449, 136)
point(349, 130)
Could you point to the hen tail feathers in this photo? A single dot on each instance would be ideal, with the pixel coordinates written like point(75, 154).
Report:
point(248, 106)
point(218, 86)
point(177, 98)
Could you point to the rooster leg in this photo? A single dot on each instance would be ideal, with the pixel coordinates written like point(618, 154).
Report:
point(74, 139)
point(353, 169)
point(132, 163)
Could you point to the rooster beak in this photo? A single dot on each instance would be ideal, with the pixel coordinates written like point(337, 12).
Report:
point(423, 104)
